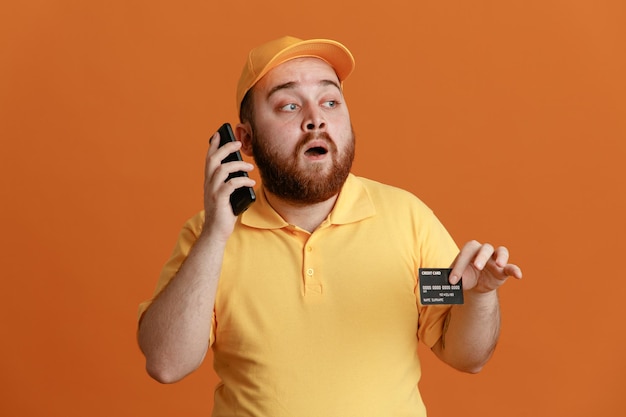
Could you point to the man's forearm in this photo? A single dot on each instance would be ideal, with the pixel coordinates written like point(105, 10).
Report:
point(471, 332)
point(174, 332)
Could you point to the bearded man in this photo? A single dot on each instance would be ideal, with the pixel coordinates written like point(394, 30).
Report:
point(309, 299)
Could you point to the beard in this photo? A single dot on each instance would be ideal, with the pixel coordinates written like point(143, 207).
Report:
point(285, 178)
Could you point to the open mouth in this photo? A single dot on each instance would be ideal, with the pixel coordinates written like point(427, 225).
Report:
point(316, 151)
point(316, 148)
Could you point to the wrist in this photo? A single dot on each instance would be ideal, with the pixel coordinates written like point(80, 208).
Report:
point(209, 237)
point(214, 231)
point(475, 296)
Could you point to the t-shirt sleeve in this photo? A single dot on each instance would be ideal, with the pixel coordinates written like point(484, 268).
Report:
point(186, 239)
point(437, 249)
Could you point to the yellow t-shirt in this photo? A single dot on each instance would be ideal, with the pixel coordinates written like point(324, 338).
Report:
point(324, 323)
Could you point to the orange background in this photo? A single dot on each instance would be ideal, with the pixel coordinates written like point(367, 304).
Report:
point(507, 118)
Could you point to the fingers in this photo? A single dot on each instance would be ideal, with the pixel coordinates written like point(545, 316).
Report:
point(217, 154)
point(484, 255)
point(475, 257)
point(515, 271)
point(473, 253)
point(217, 189)
point(501, 256)
point(501, 259)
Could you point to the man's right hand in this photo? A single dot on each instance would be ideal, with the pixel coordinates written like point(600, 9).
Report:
point(175, 331)
point(219, 218)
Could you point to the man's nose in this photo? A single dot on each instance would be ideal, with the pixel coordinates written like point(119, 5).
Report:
point(313, 120)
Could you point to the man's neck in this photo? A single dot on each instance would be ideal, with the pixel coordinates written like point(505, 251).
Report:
point(306, 216)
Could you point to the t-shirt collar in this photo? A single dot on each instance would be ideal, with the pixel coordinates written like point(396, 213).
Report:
point(353, 204)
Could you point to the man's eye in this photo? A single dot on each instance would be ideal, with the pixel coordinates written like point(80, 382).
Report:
point(331, 103)
point(289, 107)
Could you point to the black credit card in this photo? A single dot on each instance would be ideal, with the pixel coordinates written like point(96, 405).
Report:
point(435, 288)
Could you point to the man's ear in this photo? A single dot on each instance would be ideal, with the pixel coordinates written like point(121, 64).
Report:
point(243, 133)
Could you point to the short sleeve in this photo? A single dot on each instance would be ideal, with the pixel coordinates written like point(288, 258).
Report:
point(437, 250)
point(186, 239)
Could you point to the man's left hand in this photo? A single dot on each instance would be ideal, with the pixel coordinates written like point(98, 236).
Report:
point(482, 267)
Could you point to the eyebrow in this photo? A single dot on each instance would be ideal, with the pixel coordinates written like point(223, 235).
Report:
point(293, 84)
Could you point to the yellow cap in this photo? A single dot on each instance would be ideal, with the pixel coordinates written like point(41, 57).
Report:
point(271, 54)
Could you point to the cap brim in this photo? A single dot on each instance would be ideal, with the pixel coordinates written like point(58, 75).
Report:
point(332, 52)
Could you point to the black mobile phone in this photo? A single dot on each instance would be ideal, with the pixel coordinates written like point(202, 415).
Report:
point(242, 197)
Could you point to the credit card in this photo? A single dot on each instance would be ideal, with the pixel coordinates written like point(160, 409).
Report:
point(435, 288)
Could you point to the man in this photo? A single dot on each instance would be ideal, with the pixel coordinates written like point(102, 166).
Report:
point(309, 299)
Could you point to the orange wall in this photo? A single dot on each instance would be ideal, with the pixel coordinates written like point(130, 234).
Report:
point(507, 118)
